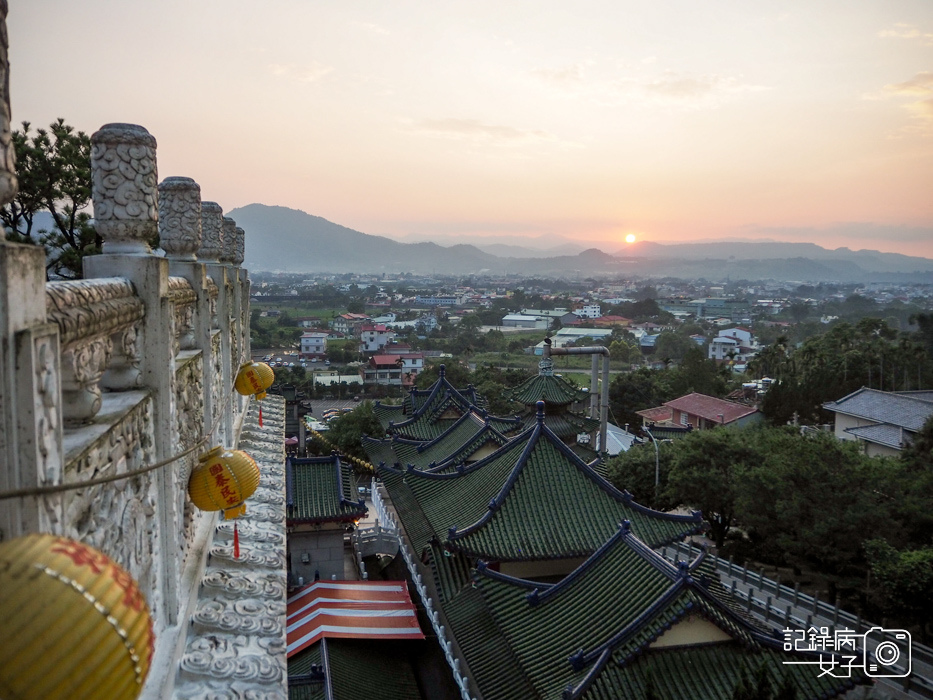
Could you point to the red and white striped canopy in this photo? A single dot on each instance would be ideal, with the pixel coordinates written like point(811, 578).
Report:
point(355, 609)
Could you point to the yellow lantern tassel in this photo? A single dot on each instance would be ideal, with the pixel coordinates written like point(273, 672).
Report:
point(236, 542)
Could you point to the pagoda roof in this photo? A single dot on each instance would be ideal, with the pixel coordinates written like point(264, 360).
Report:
point(550, 388)
point(564, 424)
point(417, 401)
point(467, 434)
point(533, 499)
point(594, 633)
point(320, 490)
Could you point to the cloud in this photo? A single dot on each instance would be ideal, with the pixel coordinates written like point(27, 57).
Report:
point(375, 28)
point(907, 31)
point(921, 85)
point(678, 86)
point(473, 129)
point(304, 74)
point(561, 77)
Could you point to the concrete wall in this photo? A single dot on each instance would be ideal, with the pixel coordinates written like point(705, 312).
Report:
point(324, 550)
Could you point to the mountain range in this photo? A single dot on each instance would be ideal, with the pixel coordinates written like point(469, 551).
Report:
point(288, 240)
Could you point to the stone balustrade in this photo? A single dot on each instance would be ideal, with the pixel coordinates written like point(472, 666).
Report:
point(130, 368)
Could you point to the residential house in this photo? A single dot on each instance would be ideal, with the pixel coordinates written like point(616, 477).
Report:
point(884, 422)
point(374, 337)
point(700, 412)
point(386, 370)
point(736, 344)
point(348, 323)
point(313, 344)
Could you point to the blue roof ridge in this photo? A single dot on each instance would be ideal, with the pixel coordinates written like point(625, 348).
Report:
point(477, 441)
point(482, 569)
point(289, 483)
point(422, 445)
point(479, 464)
point(571, 692)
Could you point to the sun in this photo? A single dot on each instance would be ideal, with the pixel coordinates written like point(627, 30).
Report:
point(630, 238)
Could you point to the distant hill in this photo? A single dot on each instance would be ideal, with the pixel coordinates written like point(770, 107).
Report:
point(282, 239)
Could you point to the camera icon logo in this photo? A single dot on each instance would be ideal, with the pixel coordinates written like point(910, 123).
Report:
point(891, 657)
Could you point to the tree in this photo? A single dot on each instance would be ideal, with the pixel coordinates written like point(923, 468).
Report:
point(906, 581)
point(634, 471)
point(706, 469)
point(346, 431)
point(672, 345)
point(54, 171)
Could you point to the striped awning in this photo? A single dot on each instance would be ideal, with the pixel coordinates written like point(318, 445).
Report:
point(350, 609)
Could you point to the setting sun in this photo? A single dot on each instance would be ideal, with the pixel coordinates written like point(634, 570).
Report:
point(630, 238)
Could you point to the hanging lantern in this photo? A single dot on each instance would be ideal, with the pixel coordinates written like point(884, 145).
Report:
point(222, 480)
point(254, 378)
point(75, 624)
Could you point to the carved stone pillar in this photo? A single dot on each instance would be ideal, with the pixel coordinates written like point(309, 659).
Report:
point(239, 248)
point(180, 218)
point(229, 247)
point(126, 199)
point(7, 166)
point(212, 232)
point(125, 188)
point(31, 451)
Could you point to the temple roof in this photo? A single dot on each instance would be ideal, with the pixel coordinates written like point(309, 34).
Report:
point(319, 490)
point(564, 423)
point(461, 440)
point(595, 634)
point(350, 669)
point(533, 499)
point(419, 402)
point(549, 388)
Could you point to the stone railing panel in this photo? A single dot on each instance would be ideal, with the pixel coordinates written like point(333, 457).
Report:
point(189, 418)
point(96, 319)
point(117, 517)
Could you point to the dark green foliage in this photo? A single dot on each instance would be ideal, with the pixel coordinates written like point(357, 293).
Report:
point(634, 471)
point(54, 171)
point(905, 580)
point(346, 431)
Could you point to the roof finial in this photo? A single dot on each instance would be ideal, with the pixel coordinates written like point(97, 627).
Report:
point(625, 527)
point(540, 407)
point(442, 370)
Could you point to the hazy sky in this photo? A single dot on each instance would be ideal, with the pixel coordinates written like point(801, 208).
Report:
point(672, 119)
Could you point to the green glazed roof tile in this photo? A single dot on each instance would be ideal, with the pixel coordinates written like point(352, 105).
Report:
point(548, 388)
point(320, 489)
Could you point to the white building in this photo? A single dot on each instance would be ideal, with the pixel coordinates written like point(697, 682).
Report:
point(313, 344)
point(373, 338)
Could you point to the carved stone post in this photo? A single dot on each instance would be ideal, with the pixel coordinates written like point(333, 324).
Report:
point(186, 223)
point(232, 319)
point(125, 194)
point(212, 251)
point(31, 450)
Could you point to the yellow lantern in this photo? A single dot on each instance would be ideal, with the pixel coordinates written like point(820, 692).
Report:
point(254, 378)
point(75, 624)
point(222, 480)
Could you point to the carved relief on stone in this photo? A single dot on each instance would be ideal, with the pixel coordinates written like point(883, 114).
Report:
point(180, 217)
point(184, 299)
point(82, 367)
point(229, 247)
point(189, 411)
point(123, 373)
point(124, 187)
point(7, 166)
point(118, 518)
point(83, 309)
point(212, 232)
point(239, 248)
point(213, 291)
point(47, 420)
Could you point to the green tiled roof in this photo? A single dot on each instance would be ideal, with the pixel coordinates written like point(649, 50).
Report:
point(371, 670)
point(320, 489)
point(589, 635)
point(452, 571)
point(421, 411)
point(355, 669)
point(564, 423)
point(306, 675)
point(533, 499)
point(548, 388)
point(455, 445)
